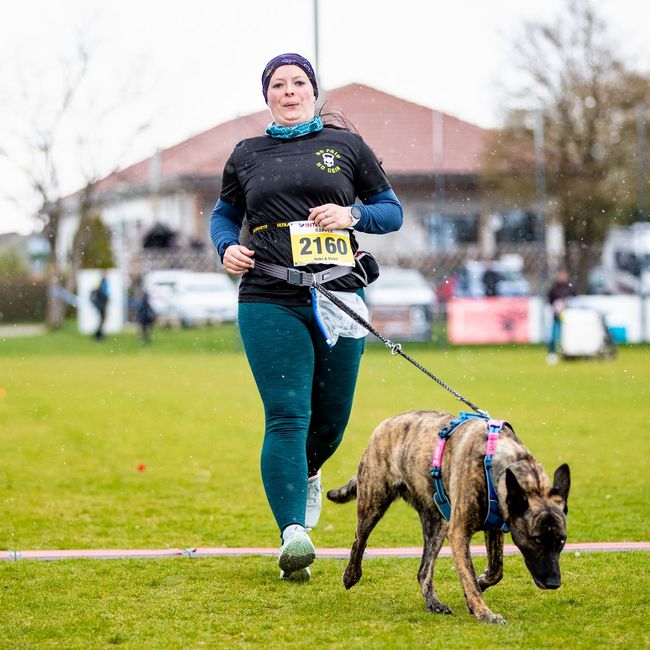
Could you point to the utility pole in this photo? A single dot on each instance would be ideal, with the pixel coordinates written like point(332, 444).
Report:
point(540, 171)
point(540, 187)
point(316, 52)
point(641, 207)
point(438, 154)
point(641, 161)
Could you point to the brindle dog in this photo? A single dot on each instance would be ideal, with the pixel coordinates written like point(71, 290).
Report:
point(397, 463)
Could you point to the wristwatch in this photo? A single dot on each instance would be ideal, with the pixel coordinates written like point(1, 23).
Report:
point(355, 215)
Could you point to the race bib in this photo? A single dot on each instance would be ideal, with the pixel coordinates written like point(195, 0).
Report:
point(311, 244)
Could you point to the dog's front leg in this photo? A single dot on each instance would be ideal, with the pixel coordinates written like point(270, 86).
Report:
point(353, 571)
point(459, 540)
point(433, 534)
point(494, 571)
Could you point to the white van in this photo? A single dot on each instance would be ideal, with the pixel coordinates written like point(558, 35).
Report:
point(626, 259)
point(190, 298)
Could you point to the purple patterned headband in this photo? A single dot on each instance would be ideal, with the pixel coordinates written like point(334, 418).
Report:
point(287, 59)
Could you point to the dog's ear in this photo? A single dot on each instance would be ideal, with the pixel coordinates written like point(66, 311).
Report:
point(561, 485)
point(516, 498)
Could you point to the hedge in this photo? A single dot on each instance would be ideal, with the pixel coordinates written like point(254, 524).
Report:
point(22, 301)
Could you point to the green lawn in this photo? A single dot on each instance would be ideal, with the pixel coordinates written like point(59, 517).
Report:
point(116, 445)
point(240, 603)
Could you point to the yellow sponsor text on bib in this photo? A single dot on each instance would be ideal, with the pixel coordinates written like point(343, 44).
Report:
point(311, 244)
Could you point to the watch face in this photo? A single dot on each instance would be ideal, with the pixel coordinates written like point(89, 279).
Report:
point(356, 213)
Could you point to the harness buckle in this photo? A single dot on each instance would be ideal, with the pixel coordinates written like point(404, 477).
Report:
point(294, 276)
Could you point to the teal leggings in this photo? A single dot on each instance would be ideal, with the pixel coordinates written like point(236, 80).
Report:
point(307, 391)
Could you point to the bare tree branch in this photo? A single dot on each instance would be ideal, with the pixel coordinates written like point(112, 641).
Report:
point(51, 127)
point(588, 98)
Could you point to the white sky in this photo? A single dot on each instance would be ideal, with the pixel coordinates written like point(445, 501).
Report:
point(200, 61)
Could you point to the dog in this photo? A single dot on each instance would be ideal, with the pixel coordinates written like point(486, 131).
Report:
point(397, 463)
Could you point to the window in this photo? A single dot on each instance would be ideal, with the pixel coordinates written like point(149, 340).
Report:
point(518, 227)
point(628, 262)
point(449, 230)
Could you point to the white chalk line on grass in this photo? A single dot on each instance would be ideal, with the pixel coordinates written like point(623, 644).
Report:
point(322, 553)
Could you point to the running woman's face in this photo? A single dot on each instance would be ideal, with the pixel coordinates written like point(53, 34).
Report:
point(291, 96)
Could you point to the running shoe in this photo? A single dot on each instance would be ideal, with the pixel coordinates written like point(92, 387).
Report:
point(314, 502)
point(297, 551)
point(301, 575)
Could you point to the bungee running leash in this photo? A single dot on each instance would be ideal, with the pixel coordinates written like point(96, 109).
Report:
point(395, 348)
point(316, 280)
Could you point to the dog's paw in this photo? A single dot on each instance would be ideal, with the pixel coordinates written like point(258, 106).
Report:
point(485, 581)
point(491, 617)
point(439, 608)
point(350, 579)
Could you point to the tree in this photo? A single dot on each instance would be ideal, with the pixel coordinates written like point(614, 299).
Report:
point(92, 244)
point(12, 264)
point(68, 119)
point(587, 99)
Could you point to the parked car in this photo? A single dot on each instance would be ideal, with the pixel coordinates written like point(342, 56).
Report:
point(191, 298)
point(401, 304)
point(469, 281)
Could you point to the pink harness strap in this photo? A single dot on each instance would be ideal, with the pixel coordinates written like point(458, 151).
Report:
point(438, 452)
point(494, 432)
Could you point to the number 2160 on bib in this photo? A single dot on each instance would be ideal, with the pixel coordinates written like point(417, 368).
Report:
point(311, 244)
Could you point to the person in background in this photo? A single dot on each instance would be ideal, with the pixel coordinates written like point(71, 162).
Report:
point(99, 299)
point(558, 294)
point(145, 315)
point(297, 187)
point(490, 279)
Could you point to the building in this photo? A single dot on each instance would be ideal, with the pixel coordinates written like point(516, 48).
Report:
point(30, 253)
point(432, 160)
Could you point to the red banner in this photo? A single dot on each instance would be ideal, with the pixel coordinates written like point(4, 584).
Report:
point(489, 320)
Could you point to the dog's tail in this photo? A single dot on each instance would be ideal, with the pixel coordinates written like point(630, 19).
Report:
point(347, 492)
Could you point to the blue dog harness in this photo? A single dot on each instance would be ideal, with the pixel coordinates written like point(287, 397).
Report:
point(493, 520)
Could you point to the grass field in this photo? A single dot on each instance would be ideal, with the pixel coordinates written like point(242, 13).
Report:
point(118, 446)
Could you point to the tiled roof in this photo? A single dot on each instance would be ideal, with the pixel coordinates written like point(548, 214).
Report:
point(410, 140)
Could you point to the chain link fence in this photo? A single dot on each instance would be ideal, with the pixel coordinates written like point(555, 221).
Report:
point(201, 259)
point(439, 266)
point(435, 266)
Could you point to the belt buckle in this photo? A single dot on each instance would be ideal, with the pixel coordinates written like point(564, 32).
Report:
point(294, 276)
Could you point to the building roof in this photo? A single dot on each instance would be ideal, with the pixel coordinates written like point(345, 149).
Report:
point(410, 140)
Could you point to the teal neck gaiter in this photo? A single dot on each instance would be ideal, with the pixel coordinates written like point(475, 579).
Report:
point(295, 130)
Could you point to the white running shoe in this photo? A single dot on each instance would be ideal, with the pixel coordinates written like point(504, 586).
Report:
point(314, 502)
point(301, 575)
point(297, 551)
